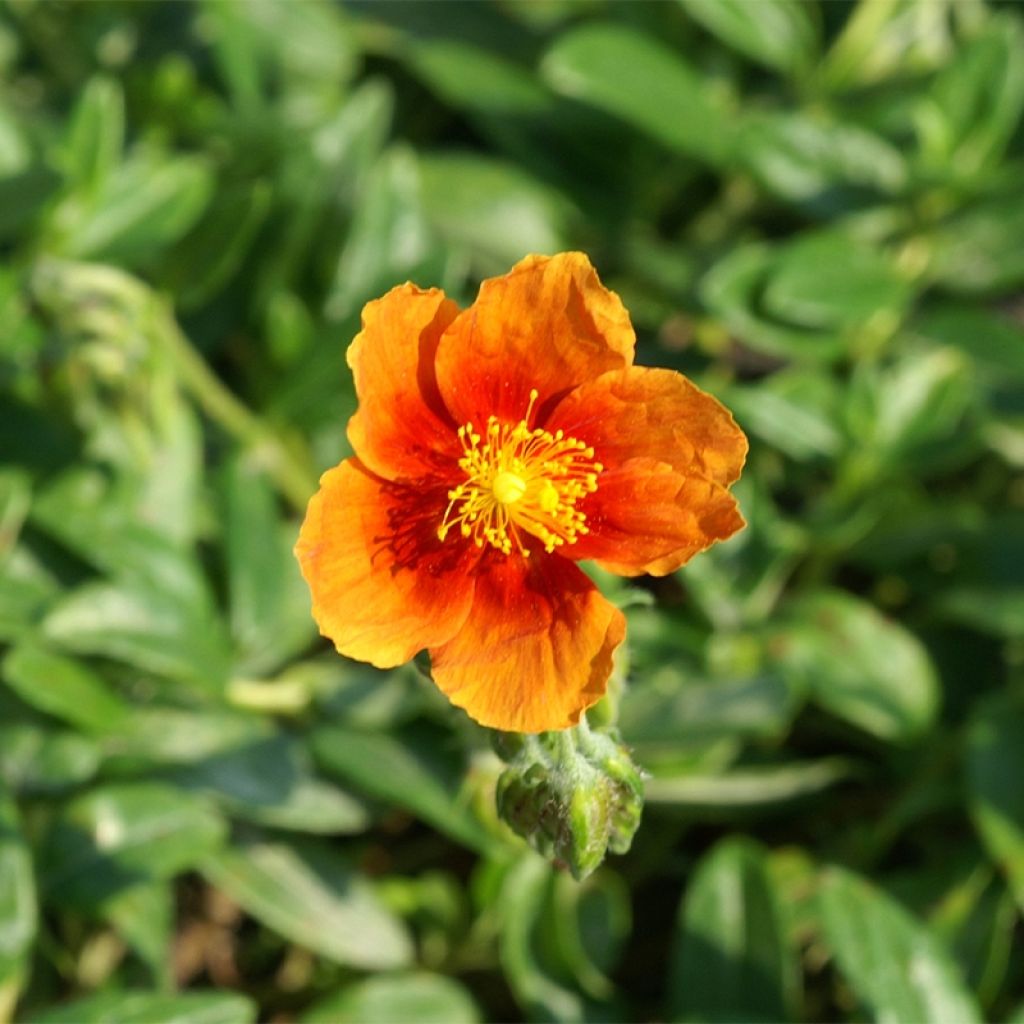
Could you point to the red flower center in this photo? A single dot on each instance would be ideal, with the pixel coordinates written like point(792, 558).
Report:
point(520, 479)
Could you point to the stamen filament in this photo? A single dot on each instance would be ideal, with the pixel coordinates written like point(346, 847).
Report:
point(520, 480)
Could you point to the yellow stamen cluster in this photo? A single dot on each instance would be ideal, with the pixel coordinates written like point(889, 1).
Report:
point(520, 480)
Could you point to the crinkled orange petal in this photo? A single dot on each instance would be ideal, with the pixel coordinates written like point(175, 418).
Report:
point(402, 429)
point(536, 649)
point(660, 414)
point(383, 585)
point(548, 324)
point(647, 517)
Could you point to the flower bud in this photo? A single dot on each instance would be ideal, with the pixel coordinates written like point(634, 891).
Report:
point(573, 795)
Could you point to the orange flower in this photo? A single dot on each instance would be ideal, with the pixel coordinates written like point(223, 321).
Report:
point(495, 447)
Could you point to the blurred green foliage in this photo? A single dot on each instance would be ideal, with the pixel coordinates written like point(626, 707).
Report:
point(814, 209)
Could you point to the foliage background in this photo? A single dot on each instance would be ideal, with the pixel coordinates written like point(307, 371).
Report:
point(816, 210)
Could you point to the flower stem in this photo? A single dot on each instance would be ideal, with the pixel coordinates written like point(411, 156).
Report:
point(291, 477)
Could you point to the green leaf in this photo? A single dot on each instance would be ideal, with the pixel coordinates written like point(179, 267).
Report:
point(970, 113)
point(777, 33)
point(858, 665)
point(896, 412)
point(479, 79)
point(128, 1007)
point(415, 998)
point(144, 625)
point(829, 280)
point(491, 209)
point(210, 256)
point(63, 687)
point(144, 916)
point(389, 237)
point(118, 836)
point(675, 707)
point(521, 896)
point(795, 411)
point(36, 761)
point(995, 766)
point(662, 96)
point(164, 735)
point(308, 893)
point(269, 612)
point(95, 133)
point(407, 769)
point(809, 158)
point(733, 290)
point(979, 249)
point(731, 959)
point(993, 341)
point(883, 39)
point(15, 499)
point(18, 911)
point(977, 919)
point(994, 609)
point(895, 966)
point(761, 787)
point(269, 781)
point(148, 204)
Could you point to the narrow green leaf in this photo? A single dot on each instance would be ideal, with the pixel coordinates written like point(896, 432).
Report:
point(129, 1007)
point(662, 96)
point(308, 893)
point(406, 769)
point(969, 114)
point(143, 625)
point(860, 666)
point(34, 760)
point(522, 897)
point(896, 967)
point(210, 255)
point(63, 687)
point(389, 237)
point(780, 34)
point(829, 280)
point(753, 788)
point(993, 341)
point(491, 208)
point(147, 204)
point(695, 708)
point(811, 158)
point(18, 911)
point(979, 248)
point(413, 998)
point(731, 959)
point(144, 916)
point(733, 289)
point(995, 766)
point(95, 133)
point(269, 610)
point(270, 781)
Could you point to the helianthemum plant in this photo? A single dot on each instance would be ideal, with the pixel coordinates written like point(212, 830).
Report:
point(495, 447)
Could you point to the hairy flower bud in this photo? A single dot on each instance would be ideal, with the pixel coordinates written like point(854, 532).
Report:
point(573, 795)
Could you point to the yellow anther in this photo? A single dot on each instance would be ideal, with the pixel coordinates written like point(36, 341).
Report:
point(520, 480)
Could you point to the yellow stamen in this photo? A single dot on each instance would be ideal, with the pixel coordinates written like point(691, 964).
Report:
point(520, 480)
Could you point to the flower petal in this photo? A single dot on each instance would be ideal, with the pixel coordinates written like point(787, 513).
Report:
point(536, 649)
point(647, 517)
point(401, 429)
point(383, 585)
point(548, 324)
point(659, 414)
